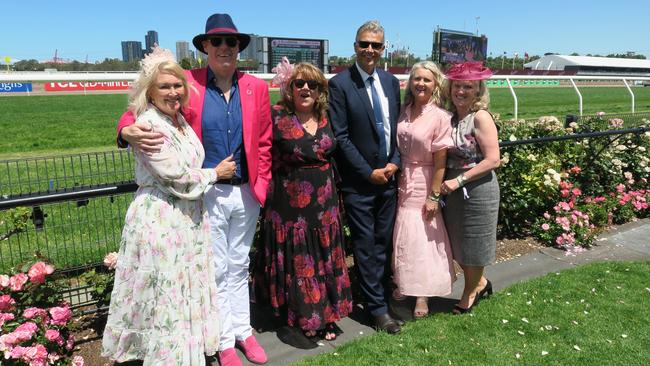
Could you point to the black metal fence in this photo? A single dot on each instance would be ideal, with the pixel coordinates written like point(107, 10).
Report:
point(73, 206)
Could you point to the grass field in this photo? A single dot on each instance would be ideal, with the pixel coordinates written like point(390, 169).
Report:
point(592, 315)
point(42, 125)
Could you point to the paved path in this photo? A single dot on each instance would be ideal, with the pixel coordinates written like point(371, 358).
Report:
point(627, 242)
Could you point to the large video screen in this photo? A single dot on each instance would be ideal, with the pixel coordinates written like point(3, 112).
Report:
point(296, 50)
point(455, 47)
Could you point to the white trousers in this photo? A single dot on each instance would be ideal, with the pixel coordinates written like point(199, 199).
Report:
point(233, 217)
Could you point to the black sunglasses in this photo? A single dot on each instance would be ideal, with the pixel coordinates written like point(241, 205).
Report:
point(230, 41)
point(366, 44)
point(311, 84)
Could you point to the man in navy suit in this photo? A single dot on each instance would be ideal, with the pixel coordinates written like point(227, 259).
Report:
point(363, 108)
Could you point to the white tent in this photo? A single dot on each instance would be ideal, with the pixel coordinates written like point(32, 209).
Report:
point(583, 63)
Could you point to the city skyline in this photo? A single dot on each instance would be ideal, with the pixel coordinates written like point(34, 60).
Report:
point(79, 30)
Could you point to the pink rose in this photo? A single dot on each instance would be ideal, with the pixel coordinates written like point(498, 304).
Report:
point(52, 335)
point(53, 357)
point(77, 361)
point(110, 260)
point(6, 302)
point(31, 313)
point(17, 281)
point(4, 281)
point(69, 344)
point(60, 315)
point(7, 341)
point(38, 272)
point(18, 352)
point(545, 226)
point(25, 331)
point(36, 355)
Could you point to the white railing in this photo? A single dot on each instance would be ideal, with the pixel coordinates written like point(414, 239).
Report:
point(62, 76)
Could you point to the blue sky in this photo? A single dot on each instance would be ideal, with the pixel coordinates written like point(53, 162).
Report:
point(94, 29)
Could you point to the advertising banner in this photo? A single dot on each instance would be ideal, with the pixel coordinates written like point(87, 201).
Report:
point(87, 86)
point(15, 87)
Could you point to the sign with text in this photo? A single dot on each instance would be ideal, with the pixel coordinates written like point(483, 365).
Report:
point(296, 50)
point(15, 87)
point(88, 86)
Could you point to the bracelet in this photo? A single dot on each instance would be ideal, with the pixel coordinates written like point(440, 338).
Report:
point(434, 197)
point(461, 179)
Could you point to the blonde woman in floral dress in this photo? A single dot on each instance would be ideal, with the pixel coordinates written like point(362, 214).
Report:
point(163, 306)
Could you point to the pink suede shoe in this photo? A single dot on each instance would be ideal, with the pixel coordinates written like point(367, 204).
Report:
point(252, 350)
point(228, 357)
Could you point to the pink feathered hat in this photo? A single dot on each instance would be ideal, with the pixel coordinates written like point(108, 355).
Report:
point(470, 70)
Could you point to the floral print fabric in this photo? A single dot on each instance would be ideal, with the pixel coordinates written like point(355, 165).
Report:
point(163, 306)
point(300, 267)
point(466, 152)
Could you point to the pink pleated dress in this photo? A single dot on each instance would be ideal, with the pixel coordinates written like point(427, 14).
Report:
point(422, 259)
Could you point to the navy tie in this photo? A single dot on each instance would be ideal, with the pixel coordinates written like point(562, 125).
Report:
point(379, 122)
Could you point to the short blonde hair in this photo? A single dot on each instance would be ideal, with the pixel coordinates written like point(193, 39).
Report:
point(438, 78)
point(308, 72)
point(372, 26)
point(482, 100)
point(140, 95)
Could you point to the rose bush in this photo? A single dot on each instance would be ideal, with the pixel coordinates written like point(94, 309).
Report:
point(537, 180)
point(102, 280)
point(34, 320)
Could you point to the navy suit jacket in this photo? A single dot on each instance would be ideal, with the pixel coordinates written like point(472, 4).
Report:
point(353, 121)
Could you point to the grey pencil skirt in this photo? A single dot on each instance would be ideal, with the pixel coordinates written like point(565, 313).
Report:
point(472, 221)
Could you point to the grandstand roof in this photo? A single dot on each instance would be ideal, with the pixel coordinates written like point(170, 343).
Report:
point(558, 62)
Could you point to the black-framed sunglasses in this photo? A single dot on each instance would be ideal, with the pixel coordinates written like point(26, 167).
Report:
point(366, 44)
point(217, 41)
point(311, 84)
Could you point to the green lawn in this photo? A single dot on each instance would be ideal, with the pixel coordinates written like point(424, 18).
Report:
point(597, 314)
point(45, 125)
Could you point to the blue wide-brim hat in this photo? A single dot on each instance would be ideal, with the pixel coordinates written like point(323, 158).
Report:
point(220, 25)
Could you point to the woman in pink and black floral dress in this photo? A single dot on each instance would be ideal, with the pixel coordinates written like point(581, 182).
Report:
point(300, 268)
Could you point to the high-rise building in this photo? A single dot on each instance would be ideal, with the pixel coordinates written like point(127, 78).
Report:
point(150, 39)
point(183, 51)
point(131, 51)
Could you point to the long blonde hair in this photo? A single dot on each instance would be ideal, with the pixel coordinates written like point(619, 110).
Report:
point(140, 95)
point(436, 97)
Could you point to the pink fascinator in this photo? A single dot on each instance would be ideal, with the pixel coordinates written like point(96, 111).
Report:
point(471, 70)
point(283, 73)
point(157, 56)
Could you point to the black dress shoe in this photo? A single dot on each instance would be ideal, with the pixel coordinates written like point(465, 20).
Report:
point(397, 319)
point(387, 324)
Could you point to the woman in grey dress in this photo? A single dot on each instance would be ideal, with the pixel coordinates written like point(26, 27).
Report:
point(470, 186)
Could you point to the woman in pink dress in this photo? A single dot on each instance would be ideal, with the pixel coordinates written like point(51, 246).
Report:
point(422, 260)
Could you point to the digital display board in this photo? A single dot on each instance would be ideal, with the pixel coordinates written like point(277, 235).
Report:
point(296, 50)
point(458, 47)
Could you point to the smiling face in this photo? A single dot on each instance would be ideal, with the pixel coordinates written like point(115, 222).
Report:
point(422, 85)
point(369, 56)
point(222, 59)
point(464, 93)
point(304, 98)
point(167, 93)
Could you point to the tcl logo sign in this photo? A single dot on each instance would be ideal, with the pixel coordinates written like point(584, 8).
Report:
point(88, 85)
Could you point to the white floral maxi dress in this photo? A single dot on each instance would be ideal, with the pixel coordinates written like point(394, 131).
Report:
point(163, 306)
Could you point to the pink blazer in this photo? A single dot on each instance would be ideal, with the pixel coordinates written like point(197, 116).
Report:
point(257, 126)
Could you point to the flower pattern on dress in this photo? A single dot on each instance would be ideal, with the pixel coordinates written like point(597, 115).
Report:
point(163, 305)
point(300, 269)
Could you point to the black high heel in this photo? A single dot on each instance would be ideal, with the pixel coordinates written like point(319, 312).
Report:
point(486, 290)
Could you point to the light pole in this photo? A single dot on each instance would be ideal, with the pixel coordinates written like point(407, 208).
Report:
point(477, 18)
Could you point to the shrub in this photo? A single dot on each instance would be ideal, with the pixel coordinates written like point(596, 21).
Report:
point(34, 320)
